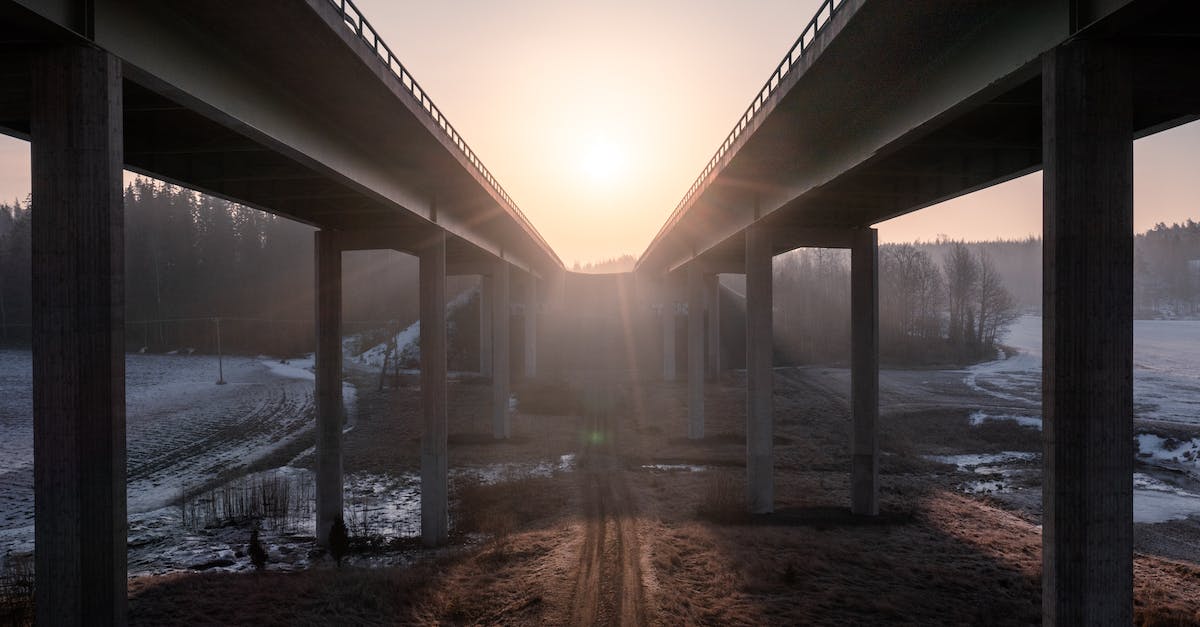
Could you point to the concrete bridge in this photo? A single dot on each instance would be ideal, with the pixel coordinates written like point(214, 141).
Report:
point(880, 108)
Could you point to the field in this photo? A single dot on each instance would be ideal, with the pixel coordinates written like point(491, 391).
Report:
point(598, 511)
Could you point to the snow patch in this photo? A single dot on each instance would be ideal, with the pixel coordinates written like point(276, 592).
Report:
point(979, 417)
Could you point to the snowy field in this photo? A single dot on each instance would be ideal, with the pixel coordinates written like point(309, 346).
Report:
point(1166, 369)
point(1166, 389)
point(183, 430)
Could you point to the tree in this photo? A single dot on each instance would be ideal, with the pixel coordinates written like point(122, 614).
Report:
point(996, 306)
point(961, 275)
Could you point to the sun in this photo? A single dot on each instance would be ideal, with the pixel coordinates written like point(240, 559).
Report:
point(603, 161)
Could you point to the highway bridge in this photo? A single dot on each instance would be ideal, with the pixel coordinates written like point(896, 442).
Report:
point(881, 108)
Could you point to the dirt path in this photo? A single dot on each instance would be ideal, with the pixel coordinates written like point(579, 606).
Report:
point(608, 581)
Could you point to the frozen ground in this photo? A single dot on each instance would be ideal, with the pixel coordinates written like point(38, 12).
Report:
point(1166, 392)
point(1166, 369)
point(183, 430)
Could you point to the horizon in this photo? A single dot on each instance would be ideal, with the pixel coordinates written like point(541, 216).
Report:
point(625, 132)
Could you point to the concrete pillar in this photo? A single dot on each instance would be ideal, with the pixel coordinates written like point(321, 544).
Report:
point(668, 330)
point(500, 362)
point(1087, 336)
point(78, 337)
point(434, 486)
point(485, 326)
point(329, 383)
point(760, 457)
point(712, 290)
point(530, 318)
point(695, 333)
point(864, 372)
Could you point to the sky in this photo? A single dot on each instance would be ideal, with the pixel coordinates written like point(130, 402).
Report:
point(597, 116)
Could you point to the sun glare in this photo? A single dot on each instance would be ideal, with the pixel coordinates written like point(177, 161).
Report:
point(603, 162)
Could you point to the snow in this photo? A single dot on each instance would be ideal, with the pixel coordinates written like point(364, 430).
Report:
point(1166, 369)
point(982, 462)
point(980, 416)
point(407, 339)
point(1169, 453)
point(1155, 501)
point(182, 430)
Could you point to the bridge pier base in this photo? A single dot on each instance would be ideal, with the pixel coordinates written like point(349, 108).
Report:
point(1087, 339)
point(330, 413)
point(485, 326)
point(501, 321)
point(695, 334)
point(668, 331)
point(712, 291)
point(78, 337)
point(864, 371)
point(434, 472)
point(760, 460)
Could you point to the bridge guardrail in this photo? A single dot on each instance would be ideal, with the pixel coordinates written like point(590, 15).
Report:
point(823, 16)
point(353, 18)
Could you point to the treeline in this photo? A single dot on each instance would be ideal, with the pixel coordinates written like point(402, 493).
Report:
point(1166, 269)
point(953, 310)
point(623, 263)
point(191, 258)
point(1166, 279)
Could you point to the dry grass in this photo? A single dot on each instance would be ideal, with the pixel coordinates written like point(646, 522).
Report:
point(936, 557)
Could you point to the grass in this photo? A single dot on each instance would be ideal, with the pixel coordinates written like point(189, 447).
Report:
point(16, 590)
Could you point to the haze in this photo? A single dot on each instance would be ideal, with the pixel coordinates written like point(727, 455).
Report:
point(596, 117)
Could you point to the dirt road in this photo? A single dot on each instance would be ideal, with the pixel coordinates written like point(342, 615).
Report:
point(608, 580)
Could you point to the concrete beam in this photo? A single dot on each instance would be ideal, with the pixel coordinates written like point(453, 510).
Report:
point(485, 325)
point(864, 372)
point(695, 334)
point(501, 319)
point(1087, 338)
point(328, 383)
point(78, 338)
point(435, 521)
point(760, 456)
point(712, 293)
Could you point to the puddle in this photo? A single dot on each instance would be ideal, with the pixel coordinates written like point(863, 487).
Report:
point(674, 468)
point(983, 462)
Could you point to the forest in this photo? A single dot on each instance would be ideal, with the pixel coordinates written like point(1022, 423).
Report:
point(192, 259)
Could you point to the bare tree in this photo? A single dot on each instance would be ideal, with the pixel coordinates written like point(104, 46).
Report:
point(911, 293)
point(996, 306)
point(962, 273)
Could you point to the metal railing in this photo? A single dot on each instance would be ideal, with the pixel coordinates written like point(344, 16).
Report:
point(353, 18)
point(824, 15)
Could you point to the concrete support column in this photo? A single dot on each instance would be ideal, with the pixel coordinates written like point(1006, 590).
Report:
point(530, 317)
point(434, 484)
point(78, 338)
point(668, 330)
point(485, 326)
point(712, 291)
point(1087, 335)
point(760, 456)
point(329, 383)
point(695, 334)
point(500, 361)
point(864, 372)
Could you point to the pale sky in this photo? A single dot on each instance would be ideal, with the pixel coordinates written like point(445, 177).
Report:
point(597, 116)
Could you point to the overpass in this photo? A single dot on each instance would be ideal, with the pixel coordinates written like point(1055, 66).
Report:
point(299, 109)
point(880, 108)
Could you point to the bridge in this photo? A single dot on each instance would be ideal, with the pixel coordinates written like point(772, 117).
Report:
point(880, 108)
